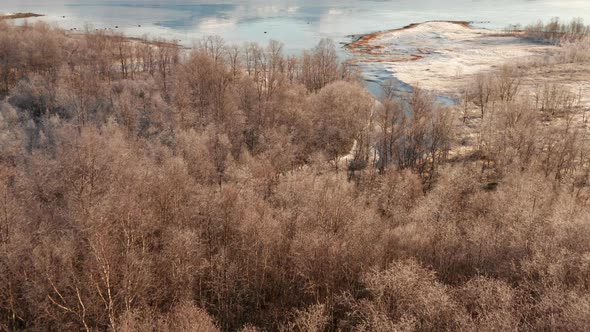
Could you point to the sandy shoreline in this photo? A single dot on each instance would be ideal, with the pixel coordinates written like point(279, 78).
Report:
point(363, 44)
point(441, 56)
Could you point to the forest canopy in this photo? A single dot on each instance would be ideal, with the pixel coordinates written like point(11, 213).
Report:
point(145, 187)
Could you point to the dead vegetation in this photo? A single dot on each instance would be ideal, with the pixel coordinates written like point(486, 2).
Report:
point(145, 190)
point(556, 31)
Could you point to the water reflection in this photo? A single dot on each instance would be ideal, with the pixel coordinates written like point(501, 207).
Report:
point(297, 23)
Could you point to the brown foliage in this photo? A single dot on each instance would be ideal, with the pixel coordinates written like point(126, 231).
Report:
point(141, 189)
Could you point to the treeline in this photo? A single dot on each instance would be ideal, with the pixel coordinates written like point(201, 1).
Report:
point(145, 188)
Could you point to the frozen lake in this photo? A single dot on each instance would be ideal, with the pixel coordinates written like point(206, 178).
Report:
point(297, 23)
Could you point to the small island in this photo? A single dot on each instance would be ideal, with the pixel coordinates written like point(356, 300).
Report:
point(13, 16)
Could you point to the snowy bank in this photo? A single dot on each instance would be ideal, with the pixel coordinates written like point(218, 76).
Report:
point(440, 56)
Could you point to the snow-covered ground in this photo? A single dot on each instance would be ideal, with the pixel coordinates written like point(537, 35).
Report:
point(440, 56)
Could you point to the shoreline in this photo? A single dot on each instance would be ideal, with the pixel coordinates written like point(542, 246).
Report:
point(155, 41)
point(14, 16)
point(440, 56)
point(361, 41)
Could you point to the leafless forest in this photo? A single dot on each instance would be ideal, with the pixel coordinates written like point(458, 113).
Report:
point(148, 188)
